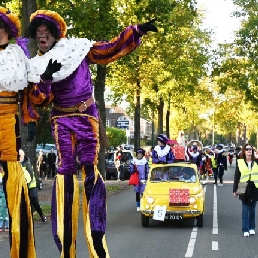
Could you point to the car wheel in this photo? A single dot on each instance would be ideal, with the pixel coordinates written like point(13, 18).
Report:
point(145, 220)
point(200, 221)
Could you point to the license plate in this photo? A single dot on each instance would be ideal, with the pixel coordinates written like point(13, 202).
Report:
point(174, 217)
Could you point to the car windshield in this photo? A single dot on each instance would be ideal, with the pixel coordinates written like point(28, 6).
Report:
point(173, 173)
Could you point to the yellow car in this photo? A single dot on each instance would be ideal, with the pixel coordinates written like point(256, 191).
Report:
point(173, 192)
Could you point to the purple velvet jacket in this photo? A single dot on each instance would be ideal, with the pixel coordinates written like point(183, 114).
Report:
point(77, 86)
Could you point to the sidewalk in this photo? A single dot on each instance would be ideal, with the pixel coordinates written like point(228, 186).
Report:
point(45, 194)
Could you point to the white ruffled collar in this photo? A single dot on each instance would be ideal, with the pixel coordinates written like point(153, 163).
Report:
point(68, 52)
point(162, 152)
point(194, 154)
point(13, 69)
point(139, 162)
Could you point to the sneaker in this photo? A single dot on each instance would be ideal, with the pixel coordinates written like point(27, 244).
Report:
point(43, 218)
point(246, 234)
point(138, 209)
point(215, 183)
point(6, 230)
point(219, 184)
point(118, 180)
point(251, 232)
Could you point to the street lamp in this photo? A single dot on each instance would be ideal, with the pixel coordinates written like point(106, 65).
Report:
point(213, 131)
point(212, 112)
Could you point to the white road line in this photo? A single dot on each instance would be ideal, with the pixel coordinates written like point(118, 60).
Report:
point(190, 248)
point(215, 230)
point(215, 246)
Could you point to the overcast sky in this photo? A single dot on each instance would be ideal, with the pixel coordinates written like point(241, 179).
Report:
point(219, 18)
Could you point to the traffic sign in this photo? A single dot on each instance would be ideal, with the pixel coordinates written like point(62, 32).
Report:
point(122, 122)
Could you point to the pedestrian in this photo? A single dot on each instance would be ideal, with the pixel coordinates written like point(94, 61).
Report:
point(118, 165)
point(221, 163)
point(162, 153)
point(140, 165)
point(214, 167)
point(230, 156)
point(4, 217)
point(247, 171)
point(42, 165)
point(194, 156)
point(32, 184)
point(51, 162)
point(60, 74)
point(13, 79)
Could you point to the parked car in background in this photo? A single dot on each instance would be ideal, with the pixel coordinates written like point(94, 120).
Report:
point(111, 170)
point(46, 148)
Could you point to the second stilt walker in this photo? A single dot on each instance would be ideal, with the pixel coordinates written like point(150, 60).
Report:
point(60, 74)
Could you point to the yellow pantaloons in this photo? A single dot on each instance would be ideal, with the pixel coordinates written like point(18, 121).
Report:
point(21, 222)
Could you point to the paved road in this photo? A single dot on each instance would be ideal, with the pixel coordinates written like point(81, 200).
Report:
point(221, 236)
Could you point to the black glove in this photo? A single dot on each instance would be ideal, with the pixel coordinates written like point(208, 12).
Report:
point(31, 131)
point(51, 68)
point(148, 26)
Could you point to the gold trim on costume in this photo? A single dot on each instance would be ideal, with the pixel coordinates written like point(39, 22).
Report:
point(66, 109)
point(7, 100)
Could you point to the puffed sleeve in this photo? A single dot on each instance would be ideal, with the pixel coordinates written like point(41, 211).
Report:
point(105, 52)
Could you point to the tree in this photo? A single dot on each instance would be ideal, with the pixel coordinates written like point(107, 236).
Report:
point(167, 65)
point(116, 136)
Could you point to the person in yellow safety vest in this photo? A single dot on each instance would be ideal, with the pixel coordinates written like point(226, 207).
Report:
point(32, 184)
point(214, 166)
point(247, 171)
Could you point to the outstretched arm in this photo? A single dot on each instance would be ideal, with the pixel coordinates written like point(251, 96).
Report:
point(106, 52)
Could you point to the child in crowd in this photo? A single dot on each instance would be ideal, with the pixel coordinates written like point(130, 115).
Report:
point(140, 165)
point(4, 217)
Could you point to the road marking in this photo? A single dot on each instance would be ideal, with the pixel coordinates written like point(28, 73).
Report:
point(215, 246)
point(215, 230)
point(190, 248)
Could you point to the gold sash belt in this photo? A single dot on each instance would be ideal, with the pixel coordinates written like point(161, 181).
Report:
point(72, 109)
point(8, 100)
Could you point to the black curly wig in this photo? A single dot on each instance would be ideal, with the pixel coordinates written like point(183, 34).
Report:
point(6, 28)
point(50, 25)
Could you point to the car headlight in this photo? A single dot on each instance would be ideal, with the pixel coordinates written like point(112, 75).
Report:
point(192, 200)
point(150, 200)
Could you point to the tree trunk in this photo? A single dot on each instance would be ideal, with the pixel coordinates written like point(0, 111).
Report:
point(99, 97)
point(137, 117)
point(160, 116)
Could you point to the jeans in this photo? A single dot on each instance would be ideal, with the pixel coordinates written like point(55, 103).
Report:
point(6, 223)
point(248, 216)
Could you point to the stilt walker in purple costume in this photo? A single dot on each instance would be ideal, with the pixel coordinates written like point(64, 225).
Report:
point(140, 164)
point(60, 74)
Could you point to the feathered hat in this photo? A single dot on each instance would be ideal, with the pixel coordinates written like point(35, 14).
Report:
point(162, 138)
point(52, 17)
point(12, 21)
